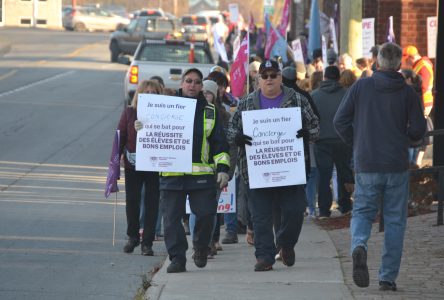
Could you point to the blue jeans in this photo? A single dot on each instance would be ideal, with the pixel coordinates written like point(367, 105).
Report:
point(393, 190)
point(230, 220)
point(311, 189)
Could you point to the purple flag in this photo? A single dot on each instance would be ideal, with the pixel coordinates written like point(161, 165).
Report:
point(113, 167)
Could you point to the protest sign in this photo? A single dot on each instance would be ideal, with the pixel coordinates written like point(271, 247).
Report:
point(276, 157)
point(297, 51)
point(432, 32)
point(368, 36)
point(165, 142)
point(226, 202)
point(233, 8)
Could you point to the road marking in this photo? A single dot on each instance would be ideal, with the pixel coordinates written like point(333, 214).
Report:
point(52, 165)
point(36, 83)
point(67, 202)
point(77, 51)
point(9, 74)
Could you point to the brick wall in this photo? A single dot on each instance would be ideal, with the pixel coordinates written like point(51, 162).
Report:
point(409, 20)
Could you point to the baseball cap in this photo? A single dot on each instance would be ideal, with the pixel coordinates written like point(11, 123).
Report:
point(269, 65)
point(409, 51)
point(192, 70)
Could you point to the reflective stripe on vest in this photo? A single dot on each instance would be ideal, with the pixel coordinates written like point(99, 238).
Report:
point(198, 169)
point(427, 96)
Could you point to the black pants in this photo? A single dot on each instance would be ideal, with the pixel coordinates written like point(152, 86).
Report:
point(203, 204)
point(134, 181)
point(292, 203)
point(327, 154)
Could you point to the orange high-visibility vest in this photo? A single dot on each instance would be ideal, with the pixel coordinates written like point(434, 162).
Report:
point(424, 65)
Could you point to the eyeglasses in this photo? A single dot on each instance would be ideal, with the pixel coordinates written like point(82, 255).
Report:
point(271, 75)
point(196, 81)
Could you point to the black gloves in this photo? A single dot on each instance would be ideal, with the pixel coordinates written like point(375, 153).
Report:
point(303, 133)
point(241, 140)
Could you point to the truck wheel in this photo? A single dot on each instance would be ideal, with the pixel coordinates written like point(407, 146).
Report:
point(114, 51)
point(79, 27)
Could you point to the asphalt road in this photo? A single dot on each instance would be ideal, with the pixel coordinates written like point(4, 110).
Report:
point(60, 101)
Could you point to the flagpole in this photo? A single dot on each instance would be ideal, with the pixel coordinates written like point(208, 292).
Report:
point(114, 221)
point(248, 59)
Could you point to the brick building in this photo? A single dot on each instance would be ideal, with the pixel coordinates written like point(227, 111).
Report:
point(409, 20)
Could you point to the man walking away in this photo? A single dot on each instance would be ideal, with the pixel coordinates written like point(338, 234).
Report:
point(329, 149)
point(378, 116)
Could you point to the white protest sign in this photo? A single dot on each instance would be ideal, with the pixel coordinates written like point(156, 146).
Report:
point(226, 202)
point(297, 51)
point(368, 36)
point(233, 8)
point(432, 32)
point(324, 51)
point(333, 35)
point(276, 157)
point(165, 142)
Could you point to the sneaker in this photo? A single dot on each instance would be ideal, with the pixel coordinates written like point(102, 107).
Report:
point(200, 257)
point(262, 266)
point(218, 246)
point(230, 238)
point(176, 267)
point(288, 256)
point(323, 217)
point(360, 269)
point(147, 250)
point(131, 244)
point(387, 285)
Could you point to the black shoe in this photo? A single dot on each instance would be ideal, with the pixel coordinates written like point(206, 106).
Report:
point(387, 286)
point(200, 257)
point(230, 238)
point(147, 250)
point(360, 269)
point(176, 267)
point(262, 266)
point(287, 256)
point(130, 245)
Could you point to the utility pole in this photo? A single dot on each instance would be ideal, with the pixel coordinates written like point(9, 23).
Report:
point(351, 28)
point(297, 18)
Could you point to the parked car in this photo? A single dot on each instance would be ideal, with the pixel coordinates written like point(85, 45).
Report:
point(126, 40)
point(86, 18)
point(213, 15)
point(147, 12)
point(197, 28)
point(167, 59)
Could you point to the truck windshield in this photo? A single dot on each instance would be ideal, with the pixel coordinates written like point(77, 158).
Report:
point(173, 54)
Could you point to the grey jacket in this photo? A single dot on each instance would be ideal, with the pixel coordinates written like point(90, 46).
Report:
point(327, 98)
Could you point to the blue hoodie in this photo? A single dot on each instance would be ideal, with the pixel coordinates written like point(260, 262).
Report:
point(378, 116)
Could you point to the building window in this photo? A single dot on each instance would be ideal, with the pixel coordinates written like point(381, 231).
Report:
point(41, 22)
point(24, 21)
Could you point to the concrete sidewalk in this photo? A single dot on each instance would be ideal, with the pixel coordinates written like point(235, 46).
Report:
point(316, 274)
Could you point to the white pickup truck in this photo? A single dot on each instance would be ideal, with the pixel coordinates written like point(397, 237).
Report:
point(167, 59)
